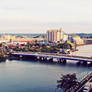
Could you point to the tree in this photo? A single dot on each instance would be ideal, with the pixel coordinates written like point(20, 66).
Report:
point(65, 46)
point(35, 41)
point(28, 45)
point(67, 82)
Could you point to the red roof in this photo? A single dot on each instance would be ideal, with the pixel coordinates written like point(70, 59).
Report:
point(27, 41)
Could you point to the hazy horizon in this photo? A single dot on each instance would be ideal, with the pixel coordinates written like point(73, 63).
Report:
point(37, 16)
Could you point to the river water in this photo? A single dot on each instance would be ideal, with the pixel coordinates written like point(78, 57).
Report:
point(31, 76)
point(85, 50)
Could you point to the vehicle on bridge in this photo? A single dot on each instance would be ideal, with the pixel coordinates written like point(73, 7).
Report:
point(86, 89)
point(87, 86)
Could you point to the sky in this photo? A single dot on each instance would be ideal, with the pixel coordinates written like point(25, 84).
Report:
point(37, 16)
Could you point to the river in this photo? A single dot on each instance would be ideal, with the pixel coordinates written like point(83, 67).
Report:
point(85, 50)
point(31, 76)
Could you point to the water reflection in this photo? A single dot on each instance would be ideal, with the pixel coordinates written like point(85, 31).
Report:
point(25, 76)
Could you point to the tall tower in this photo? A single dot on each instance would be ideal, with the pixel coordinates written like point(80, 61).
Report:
point(59, 35)
point(54, 35)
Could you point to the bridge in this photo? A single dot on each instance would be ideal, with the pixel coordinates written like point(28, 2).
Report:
point(60, 58)
point(83, 81)
point(50, 56)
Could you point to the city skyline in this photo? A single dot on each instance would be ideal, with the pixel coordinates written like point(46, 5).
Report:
point(32, 16)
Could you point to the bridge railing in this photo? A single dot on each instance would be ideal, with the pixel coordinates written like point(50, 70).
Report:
point(56, 54)
point(83, 82)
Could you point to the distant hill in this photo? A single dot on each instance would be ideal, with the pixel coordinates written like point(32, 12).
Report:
point(43, 35)
point(84, 35)
point(25, 35)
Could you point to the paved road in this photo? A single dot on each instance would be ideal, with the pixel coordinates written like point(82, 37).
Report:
point(90, 90)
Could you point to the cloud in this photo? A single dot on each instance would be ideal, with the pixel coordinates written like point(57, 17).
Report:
point(43, 14)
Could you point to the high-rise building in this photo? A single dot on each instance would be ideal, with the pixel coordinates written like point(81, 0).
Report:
point(54, 35)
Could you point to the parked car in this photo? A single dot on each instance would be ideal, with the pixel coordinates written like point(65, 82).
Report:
point(86, 89)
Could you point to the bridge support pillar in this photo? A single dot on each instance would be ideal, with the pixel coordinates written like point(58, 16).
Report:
point(51, 60)
point(84, 63)
point(44, 59)
point(40, 58)
point(35, 58)
point(78, 63)
point(59, 60)
point(64, 61)
point(90, 64)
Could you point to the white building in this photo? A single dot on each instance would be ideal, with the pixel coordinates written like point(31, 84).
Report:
point(65, 37)
point(54, 35)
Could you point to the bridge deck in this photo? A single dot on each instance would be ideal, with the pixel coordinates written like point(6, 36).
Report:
point(83, 82)
point(54, 55)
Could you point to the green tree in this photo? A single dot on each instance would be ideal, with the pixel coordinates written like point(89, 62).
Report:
point(35, 41)
point(28, 45)
point(65, 46)
point(67, 82)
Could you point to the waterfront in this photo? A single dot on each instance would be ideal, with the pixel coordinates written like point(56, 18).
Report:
point(31, 76)
point(85, 50)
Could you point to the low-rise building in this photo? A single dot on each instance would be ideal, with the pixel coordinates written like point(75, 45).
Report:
point(76, 39)
point(79, 41)
point(65, 37)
